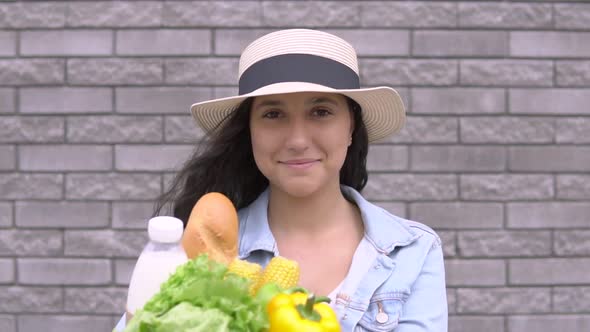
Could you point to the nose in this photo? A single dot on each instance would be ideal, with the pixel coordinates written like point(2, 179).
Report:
point(297, 135)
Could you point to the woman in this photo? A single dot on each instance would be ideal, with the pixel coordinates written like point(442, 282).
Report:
point(290, 152)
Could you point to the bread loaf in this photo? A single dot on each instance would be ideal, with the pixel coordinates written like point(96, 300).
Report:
point(212, 228)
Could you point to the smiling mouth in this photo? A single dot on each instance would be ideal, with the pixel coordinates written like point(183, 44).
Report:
point(299, 164)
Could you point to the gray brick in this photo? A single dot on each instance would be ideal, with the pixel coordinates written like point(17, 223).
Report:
point(505, 130)
point(31, 129)
point(31, 71)
point(506, 187)
point(408, 72)
point(114, 14)
point(572, 243)
point(548, 215)
point(395, 208)
point(124, 270)
point(32, 15)
point(66, 42)
point(95, 300)
point(31, 186)
point(163, 42)
point(503, 300)
point(408, 14)
point(114, 129)
point(367, 42)
point(202, 71)
point(572, 16)
point(5, 214)
point(222, 92)
point(168, 177)
point(573, 186)
point(234, 41)
point(64, 323)
point(151, 158)
point(458, 100)
point(571, 299)
point(105, 243)
point(550, 101)
point(7, 158)
point(30, 299)
point(423, 129)
point(62, 214)
point(549, 158)
point(65, 158)
point(549, 44)
point(572, 130)
point(548, 271)
point(182, 129)
point(476, 323)
point(452, 301)
point(163, 100)
point(132, 215)
point(65, 100)
point(572, 73)
point(115, 71)
point(30, 243)
point(7, 323)
point(458, 215)
point(212, 13)
point(376, 42)
point(504, 243)
point(7, 101)
point(505, 15)
point(405, 187)
point(449, 242)
point(7, 43)
point(457, 158)
point(460, 43)
point(387, 158)
point(62, 271)
point(311, 14)
point(112, 186)
point(569, 323)
point(6, 273)
point(488, 272)
point(507, 72)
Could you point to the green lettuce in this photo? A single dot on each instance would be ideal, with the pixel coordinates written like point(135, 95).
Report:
point(201, 288)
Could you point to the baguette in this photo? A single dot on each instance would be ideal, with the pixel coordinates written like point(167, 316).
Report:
point(212, 229)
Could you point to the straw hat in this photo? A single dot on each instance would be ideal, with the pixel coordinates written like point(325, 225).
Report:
point(303, 60)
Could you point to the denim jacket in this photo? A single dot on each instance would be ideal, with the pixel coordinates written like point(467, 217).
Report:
point(396, 281)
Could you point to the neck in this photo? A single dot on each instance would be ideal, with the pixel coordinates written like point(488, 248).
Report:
point(312, 215)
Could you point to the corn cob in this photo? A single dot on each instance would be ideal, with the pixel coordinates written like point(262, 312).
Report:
point(281, 271)
point(245, 269)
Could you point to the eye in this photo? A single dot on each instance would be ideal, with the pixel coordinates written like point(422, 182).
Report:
point(321, 112)
point(271, 114)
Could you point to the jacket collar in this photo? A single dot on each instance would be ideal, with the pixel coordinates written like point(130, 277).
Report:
point(382, 229)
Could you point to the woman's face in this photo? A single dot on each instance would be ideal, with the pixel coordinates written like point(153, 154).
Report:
point(299, 140)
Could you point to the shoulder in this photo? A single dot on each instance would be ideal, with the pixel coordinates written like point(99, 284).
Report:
point(388, 232)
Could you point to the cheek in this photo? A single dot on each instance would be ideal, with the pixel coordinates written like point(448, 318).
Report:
point(262, 148)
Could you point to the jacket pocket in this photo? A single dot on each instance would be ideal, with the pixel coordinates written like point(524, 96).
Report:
point(382, 315)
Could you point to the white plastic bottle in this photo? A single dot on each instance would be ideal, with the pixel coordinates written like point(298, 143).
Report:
point(158, 260)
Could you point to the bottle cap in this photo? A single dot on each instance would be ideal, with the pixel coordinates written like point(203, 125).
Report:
point(165, 229)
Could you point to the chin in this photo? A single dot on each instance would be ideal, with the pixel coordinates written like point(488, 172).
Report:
point(300, 190)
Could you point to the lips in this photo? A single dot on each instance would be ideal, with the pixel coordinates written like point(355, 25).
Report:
point(299, 163)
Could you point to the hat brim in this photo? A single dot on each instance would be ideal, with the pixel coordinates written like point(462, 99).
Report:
point(382, 107)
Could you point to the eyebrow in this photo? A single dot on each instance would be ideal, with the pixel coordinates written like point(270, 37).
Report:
point(318, 100)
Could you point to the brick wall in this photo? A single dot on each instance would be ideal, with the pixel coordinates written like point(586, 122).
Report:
point(495, 156)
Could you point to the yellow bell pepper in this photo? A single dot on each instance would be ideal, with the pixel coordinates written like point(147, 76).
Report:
point(300, 312)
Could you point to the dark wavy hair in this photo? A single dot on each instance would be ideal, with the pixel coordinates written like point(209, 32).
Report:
point(223, 162)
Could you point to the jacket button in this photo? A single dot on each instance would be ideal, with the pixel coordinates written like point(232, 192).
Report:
point(382, 318)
